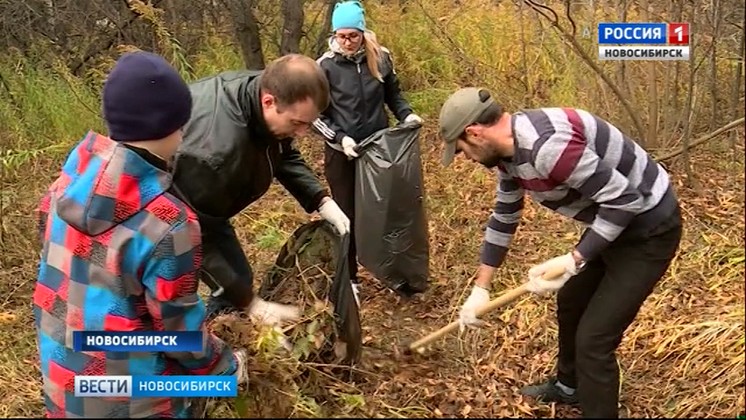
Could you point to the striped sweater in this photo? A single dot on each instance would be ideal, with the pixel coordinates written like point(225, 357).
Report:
point(581, 166)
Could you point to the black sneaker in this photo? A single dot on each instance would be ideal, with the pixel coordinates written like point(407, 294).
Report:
point(216, 307)
point(402, 289)
point(550, 392)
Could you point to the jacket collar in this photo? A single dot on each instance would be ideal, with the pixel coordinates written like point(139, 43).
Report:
point(357, 57)
point(254, 113)
point(152, 159)
point(106, 183)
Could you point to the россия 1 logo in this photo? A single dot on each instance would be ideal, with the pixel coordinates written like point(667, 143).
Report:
point(643, 41)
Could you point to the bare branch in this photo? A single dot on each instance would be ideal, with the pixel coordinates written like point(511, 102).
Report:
point(703, 139)
point(572, 22)
point(456, 47)
point(589, 61)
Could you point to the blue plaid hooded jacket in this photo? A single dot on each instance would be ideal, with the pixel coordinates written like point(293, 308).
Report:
point(119, 253)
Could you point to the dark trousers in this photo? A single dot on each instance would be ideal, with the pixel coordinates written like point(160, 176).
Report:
point(340, 174)
point(595, 307)
point(225, 265)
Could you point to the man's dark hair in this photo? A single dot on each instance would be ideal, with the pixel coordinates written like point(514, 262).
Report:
point(493, 112)
point(293, 78)
point(491, 115)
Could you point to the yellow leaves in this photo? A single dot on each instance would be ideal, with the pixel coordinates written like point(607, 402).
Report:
point(524, 409)
point(7, 317)
point(736, 260)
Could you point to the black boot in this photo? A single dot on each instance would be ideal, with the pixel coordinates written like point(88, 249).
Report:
point(549, 392)
point(218, 306)
point(401, 288)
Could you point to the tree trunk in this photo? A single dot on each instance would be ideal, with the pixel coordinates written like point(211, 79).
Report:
point(690, 106)
point(322, 40)
point(528, 96)
point(677, 76)
point(111, 39)
point(171, 13)
point(51, 14)
point(292, 30)
point(716, 19)
point(621, 70)
point(668, 114)
point(650, 140)
point(247, 33)
point(737, 78)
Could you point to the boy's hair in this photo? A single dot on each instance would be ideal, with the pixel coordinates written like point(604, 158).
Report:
point(293, 78)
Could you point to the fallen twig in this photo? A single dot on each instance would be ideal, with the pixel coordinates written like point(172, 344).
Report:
point(702, 139)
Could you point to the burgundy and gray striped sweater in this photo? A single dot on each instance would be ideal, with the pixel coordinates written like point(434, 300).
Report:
point(583, 167)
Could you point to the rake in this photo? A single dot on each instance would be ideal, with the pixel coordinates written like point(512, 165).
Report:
point(498, 302)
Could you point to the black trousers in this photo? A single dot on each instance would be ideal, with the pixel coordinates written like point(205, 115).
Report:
point(340, 174)
point(595, 307)
point(225, 265)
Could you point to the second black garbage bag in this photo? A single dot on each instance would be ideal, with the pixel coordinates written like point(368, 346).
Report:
point(391, 228)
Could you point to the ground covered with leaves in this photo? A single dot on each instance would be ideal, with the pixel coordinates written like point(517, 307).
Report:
point(682, 357)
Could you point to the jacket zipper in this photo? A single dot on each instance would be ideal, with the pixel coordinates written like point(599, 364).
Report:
point(362, 92)
point(271, 170)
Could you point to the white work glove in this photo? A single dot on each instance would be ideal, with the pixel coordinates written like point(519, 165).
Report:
point(468, 317)
point(536, 283)
point(242, 366)
point(270, 313)
point(413, 118)
point(331, 212)
point(348, 145)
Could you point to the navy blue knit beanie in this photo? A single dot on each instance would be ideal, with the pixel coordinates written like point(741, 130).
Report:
point(145, 98)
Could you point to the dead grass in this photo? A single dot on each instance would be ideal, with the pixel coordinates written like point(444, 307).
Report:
point(683, 356)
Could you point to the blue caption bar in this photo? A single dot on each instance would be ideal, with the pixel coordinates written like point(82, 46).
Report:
point(632, 33)
point(121, 341)
point(156, 386)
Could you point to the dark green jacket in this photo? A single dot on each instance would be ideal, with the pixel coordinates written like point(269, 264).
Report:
point(228, 158)
point(227, 161)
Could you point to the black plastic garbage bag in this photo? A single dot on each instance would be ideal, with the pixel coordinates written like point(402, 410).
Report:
point(391, 232)
point(312, 267)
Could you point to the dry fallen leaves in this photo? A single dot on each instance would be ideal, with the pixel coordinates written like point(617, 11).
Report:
point(7, 317)
point(664, 356)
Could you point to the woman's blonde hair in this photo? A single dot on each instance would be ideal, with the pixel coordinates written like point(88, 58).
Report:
point(373, 54)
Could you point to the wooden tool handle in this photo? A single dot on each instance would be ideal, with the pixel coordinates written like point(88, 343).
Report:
point(498, 302)
point(504, 299)
point(514, 294)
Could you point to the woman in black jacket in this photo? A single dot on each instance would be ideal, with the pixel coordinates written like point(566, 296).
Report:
point(363, 83)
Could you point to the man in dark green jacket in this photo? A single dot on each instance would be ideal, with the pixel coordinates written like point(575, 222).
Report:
point(238, 140)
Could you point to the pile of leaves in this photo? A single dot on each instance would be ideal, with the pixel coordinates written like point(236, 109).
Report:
point(303, 276)
point(293, 367)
